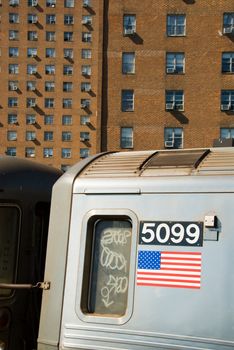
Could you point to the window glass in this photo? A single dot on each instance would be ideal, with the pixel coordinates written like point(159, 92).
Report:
point(127, 100)
point(173, 137)
point(9, 223)
point(128, 63)
point(176, 25)
point(126, 140)
point(228, 62)
point(129, 24)
point(175, 63)
point(106, 271)
point(228, 23)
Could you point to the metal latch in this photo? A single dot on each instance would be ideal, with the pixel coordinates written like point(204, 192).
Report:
point(42, 285)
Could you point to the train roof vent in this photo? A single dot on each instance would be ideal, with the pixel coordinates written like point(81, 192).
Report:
point(218, 162)
point(178, 162)
point(117, 165)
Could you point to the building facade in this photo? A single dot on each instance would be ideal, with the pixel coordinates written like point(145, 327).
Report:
point(169, 73)
point(50, 61)
point(83, 76)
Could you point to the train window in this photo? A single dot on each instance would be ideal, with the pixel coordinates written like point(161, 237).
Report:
point(9, 232)
point(106, 267)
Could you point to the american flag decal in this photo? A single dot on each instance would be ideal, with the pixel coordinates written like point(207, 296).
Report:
point(169, 269)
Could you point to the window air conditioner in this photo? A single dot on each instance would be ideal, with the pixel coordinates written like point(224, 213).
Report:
point(228, 30)
point(170, 70)
point(129, 31)
point(170, 106)
point(83, 139)
point(34, 3)
point(178, 107)
point(84, 105)
point(169, 144)
point(225, 107)
point(31, 155)
point(14, 87)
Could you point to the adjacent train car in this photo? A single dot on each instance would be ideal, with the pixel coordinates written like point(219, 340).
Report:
point(25, 194)
point(140, 253)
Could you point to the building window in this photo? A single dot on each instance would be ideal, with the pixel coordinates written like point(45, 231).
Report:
point(31, 85)
point(126, 138)
point(50, 3)
point(67, 86)
point(14, 3)
point(32, 18)
point(13, 69)
point(127, 100)
point(175, 63)
point(68, 19)
point(11, 135)
point(85, 103)
point(228, 23)
point(67, 70)
point(49, 103)
point(50, 36)
point(173, 137)
point(69, 3)
point(84, 152)
point(86, 70)
point(227, 133)
point(67, 120)
point(48, 152)
point(86, 3)
point(86, 53)
point(49, 85)
point(32, 3)
point(67, 103)
point(68, 53)
point(84, 136)
point(32, 36)
point(66, 136)
point(13, 35)
point(227, 100)
point(30, 136)
point(31, 69)
point(12, 118)
point(84, 119)
point(50, 52)
point(30, 102)
point(50, 69)
point(30, 152)
point(30, 119)
point(12, 101)
point(11, 151)
point(128, 62)
point(48, 136)
point(68, 36)
point(13, 51)
point(228, 62)
point(51, 19)
point(174, 100)
point(85, 87)
point(87, 20)
point(13, 85)
point(176, 25)
point(13, 18)
point(66, 153)
point(129, 24)
point(86, 37)
point(32, 52)
point(49, 120)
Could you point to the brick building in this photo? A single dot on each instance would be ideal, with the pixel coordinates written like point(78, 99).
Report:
point(83, 76)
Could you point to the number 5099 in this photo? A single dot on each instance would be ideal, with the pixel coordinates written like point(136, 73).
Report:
point(171, 233)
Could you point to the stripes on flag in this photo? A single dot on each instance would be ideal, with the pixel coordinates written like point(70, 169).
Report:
point(169, 269)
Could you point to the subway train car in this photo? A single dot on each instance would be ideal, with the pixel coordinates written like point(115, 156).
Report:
point(141, 252)
point(25, 194)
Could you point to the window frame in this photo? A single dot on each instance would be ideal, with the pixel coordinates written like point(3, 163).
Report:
point(230, 63)
point(175, 67)
point(173, 138)
point(127, 101)
point(176, 26)
point(87, 225)
point(126, 142)
point(126, 64)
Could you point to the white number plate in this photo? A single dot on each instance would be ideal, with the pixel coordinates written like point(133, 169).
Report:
point(171, 233)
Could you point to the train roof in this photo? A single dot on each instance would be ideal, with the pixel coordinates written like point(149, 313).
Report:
point(22, 174)
point(185, 170)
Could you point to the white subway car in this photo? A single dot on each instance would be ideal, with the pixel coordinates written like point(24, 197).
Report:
point(141, 253)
